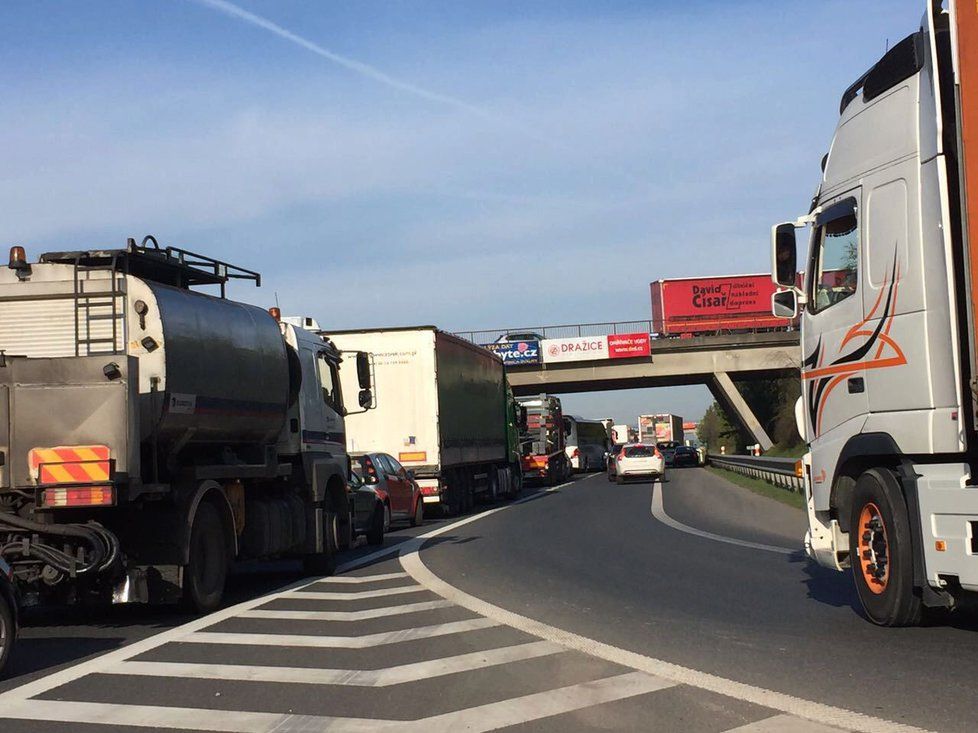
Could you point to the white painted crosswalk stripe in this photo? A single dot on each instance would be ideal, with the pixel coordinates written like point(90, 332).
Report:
point(784, 724)
point(351, 677)
point(477, 719)
point(369, 613)
point(339, 642)
point(355, 579)
point(326, 595)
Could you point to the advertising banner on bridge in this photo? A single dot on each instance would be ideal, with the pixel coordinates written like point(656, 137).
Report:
point(514, 353)
point(629, 345)
point(591, 348)
point(582, 348)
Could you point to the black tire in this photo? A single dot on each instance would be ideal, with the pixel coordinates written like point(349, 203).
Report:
point(322, 563)
point(8, 630)
point(493, 479)
point(881, 551)
point(619, 480)
point(516, 482)
point(207, 570)
point(375, 535)
point(418, 517)
point(611, 477)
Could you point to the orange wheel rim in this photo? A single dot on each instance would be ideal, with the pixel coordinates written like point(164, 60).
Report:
point(874, 549)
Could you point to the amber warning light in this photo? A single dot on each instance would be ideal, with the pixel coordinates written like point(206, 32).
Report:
point(18, 258)
point(275, 313)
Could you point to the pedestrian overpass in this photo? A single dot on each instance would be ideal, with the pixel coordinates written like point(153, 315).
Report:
point(711, 360)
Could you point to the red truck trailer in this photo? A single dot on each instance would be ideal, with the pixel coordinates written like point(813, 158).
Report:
point(706, 305)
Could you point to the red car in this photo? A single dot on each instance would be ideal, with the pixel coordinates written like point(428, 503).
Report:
point(382, 471)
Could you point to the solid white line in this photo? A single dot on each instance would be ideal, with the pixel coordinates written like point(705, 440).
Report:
point(337, 642)
point(542, 704)
point(327, 595)
point(363, 578)
point(93, 666)
point(659, 512)
point(350, 677)
point(784, 724)
point(796, 706)
point(473, 720)
point(154, 716)
point(290, 615)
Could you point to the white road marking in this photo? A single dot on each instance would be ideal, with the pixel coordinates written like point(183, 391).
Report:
point(290, 615)
point(328, 595)
point(541, 704)
point(793, 706)
point(363, 578)
point(659, 512)
point(336, 642)
point(784, 724)
point(473, 720)
point(350, 677)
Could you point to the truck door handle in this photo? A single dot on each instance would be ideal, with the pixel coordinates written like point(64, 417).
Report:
point(856, 385)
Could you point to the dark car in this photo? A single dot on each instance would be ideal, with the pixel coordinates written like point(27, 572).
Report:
point(668, 450)
point(371, 510)
point(8, 614)
point(685, 456)
point(382, 471)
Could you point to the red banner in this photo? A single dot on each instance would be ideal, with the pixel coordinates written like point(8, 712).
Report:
point(629, 345)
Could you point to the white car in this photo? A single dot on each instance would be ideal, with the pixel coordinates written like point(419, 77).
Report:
point(638, 461)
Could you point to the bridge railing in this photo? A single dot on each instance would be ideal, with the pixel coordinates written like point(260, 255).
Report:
point(575, 330)
point(777, 471)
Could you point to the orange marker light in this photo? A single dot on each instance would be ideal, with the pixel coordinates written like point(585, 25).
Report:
point(940, 546)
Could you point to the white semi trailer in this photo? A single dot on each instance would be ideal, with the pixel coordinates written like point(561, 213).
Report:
point(444, 411)
point(888, 326)
point(151, 434)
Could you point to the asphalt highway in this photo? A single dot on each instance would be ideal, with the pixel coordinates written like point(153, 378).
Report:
point(594, 606)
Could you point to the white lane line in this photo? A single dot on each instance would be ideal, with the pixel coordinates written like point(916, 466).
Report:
point(784, 724)
point(542, 704)
point(473, 720)
point(95, 665)
point(659, 512)
point(328, 595)
point(154, 716)
point(336, 642)
point(363, 578)
point(384, 677)
point(290, 615)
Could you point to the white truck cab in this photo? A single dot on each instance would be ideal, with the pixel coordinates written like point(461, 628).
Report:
point(886, 330)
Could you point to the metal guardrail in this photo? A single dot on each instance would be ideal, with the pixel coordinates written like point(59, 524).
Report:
point(576, 330)
point(777, 471)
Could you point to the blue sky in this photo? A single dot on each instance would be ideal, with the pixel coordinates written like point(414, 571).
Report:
point(595, 147)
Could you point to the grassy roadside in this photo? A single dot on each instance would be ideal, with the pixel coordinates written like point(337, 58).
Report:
point(761, 487)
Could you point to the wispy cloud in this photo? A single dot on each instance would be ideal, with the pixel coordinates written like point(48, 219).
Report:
point(359, 67)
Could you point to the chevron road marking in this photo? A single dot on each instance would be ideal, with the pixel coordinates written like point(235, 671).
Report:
point(386, 611)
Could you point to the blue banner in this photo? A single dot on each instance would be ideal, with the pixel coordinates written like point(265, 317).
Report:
point(516, 352)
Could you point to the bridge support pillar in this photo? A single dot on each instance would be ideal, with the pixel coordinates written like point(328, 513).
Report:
point(727, 394)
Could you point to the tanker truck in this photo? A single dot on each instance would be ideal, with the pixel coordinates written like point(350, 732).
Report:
point(152, 434)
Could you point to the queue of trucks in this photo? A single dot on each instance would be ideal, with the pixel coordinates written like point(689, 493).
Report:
point(889, 326)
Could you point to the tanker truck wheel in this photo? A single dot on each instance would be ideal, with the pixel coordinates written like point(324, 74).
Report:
point(207, 570)
point(880, 551)
point(8, 630)
point(322, 563)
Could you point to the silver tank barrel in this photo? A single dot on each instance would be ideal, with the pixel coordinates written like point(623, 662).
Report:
point(227, 375)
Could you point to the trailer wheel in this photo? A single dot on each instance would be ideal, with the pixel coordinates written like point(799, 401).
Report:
point(516, 482)
point(8, 630)
point(207, 571)
point(881, 551)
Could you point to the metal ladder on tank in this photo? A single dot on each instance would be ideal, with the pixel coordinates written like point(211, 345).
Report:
point(92, 308)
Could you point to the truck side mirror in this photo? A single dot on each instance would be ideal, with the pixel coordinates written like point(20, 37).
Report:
point(784, 304)
point(365, 398)
point(784, 254)
point(363, 370)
